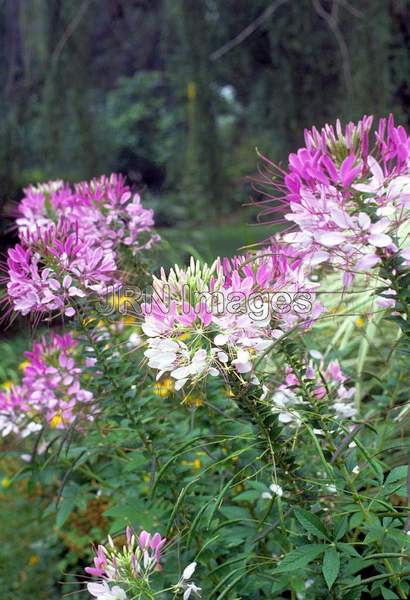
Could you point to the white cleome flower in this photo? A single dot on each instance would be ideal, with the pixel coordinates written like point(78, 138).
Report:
point(284, 401)
point(102, 591)
point(189, 571)
point(191, 588)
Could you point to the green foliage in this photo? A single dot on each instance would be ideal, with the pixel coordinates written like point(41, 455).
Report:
point(200, 473)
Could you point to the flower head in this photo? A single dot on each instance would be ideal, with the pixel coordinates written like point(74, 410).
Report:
point(135, 561)
point(216, 320)
point(52, 267)
point(185, 585)
point(15, 413)
point(347, 194)
point(102, 591)
point(53, 381)
point(327, 384)
point(51, 390)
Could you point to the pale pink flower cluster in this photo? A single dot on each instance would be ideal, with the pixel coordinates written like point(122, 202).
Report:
point(70, 243)
point(105, 210)
point(126, 571)
point(14, 411)
point(138, 558)
point(348, 193)
point(51, 390)
point(219, 320)
point(325, 383)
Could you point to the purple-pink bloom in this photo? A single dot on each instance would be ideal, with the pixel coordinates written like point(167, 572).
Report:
point(52, 268)
point(51, 391)
point(139, 557)
point(346, 195)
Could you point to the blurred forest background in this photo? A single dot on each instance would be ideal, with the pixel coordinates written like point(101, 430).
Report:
point(177, 94)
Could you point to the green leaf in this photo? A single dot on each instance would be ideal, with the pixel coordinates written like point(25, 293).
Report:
point(300, 557)
point(248, 495)
point(234, 512)
point(348, 549)
point(388, 594)
point(65, 508)
point(70, 498)
point(311, 523)
point(355, 565)
point(340, 528)
point(375, 534)
point(396, 480)
point(331, 566)
point(356, 520)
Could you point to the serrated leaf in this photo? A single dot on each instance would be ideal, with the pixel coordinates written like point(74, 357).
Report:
point(68, 502)
point(300, 557)
point(311, 523)
point(331, 566)
point(355, 565)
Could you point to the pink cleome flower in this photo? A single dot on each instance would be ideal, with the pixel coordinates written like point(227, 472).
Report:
point(52, 266)
point(105, 211)
point(70, 242)
point(139, 557)
point(53, 381)
point(51, 390)
point(327, 384)
point(347, 195)
point(217, 320)
point(14, 411)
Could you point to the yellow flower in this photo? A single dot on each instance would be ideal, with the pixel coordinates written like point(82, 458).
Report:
point(183, 337)
point(33, 560)
point(24, 364)
point(5, 483)
point(56, 421)
point(360, 322)
point(193, 400)
point(196, 464)
point(93, 321)
point(164, 387)
point(7, 384)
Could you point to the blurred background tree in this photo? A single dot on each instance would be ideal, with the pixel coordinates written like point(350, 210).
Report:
point(177, 94)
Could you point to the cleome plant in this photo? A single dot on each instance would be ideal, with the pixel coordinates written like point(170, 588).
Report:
point(254, 411)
